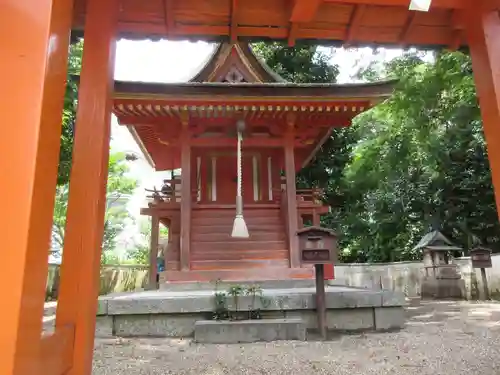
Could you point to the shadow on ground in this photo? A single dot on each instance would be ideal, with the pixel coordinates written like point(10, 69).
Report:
point(484, 314)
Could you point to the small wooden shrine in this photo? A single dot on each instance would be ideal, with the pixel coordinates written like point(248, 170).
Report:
point(192, 126)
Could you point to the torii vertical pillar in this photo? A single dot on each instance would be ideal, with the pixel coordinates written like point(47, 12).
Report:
point(483, 36)
point(34, 38)
point(79, 285)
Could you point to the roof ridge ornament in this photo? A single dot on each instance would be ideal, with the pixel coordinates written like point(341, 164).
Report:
point(420, 5)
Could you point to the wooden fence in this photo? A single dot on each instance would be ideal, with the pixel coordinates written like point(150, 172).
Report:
point(114, 279)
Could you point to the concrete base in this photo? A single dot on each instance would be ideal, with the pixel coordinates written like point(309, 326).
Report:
point(175, 314)
point(233, 332)
point(433, 288)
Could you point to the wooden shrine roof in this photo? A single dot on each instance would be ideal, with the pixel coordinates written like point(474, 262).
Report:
point(276, 91)
point(351, 22)
point(234, 84)
point(260, 71)
point(153, 113)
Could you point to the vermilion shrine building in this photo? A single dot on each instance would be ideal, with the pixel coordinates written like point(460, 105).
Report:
point(34, 38)
point(192, 126)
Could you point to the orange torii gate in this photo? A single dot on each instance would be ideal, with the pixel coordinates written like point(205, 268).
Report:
point(34, 37)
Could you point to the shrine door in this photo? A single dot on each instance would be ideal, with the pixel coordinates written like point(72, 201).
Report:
point(226, 179)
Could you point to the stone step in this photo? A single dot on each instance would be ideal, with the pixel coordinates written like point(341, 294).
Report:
point(234, 332)
point(224, 285)
point(240, 275)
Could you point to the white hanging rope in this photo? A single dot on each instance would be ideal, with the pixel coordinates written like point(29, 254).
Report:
point(239, 226)
point(239, 167)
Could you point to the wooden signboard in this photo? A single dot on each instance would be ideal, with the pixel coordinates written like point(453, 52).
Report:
point(481, 258)
point(316, 256)
point(317, 245)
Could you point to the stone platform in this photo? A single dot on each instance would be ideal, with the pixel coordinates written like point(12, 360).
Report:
point(165, 313)
point(234, 332)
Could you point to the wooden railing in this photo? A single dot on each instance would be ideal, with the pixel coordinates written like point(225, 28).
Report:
point(310, 196)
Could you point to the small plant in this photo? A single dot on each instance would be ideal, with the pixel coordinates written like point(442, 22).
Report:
point(221, 311)
point(265, 301)
point(253, 291)
point(235, 291)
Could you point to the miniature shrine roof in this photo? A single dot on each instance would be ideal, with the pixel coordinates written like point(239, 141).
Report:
point(235, 84)
point(351, 22)
point(435, 240)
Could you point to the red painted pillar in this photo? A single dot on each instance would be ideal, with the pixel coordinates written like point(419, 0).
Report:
point(291, 197)
point(34, 38)
point(186, 197)
point(483, 35)
point(87, 195)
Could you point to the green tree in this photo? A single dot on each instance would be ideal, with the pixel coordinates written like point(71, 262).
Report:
point(421, 161)
point(116, 215)
point(69, 111)
point(140, 253)
point(415, 161)
point(302, 63)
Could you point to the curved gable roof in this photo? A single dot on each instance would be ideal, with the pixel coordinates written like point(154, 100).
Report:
point(241, 56)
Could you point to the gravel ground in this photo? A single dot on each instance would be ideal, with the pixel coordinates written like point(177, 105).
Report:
point(448, 338)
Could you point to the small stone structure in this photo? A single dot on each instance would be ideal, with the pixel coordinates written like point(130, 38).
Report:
point(164, 313)
point(442, 279)
point(233, 332)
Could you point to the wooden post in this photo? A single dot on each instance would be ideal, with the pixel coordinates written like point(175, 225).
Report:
point(486, 290)
point(320, 300)
point(87, 195)
point(34, 38)
point(185, 197)
point(483, 35)
point(291, 196)
point(153, 253)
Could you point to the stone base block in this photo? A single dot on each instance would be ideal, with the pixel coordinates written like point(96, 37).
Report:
point(157, 325)
point(104, 326)
point(389, 318)
point(443, 288)
point(232, 332)
point(360, 319)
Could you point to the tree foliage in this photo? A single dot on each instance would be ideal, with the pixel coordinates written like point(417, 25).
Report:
point(69, 112)
point(416, 160)
point(140, 253)
point(116, 214)
point(302, 63)
point(420, 161)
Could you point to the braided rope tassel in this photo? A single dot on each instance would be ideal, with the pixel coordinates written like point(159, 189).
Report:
point(239, 227)
point(239, 192)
